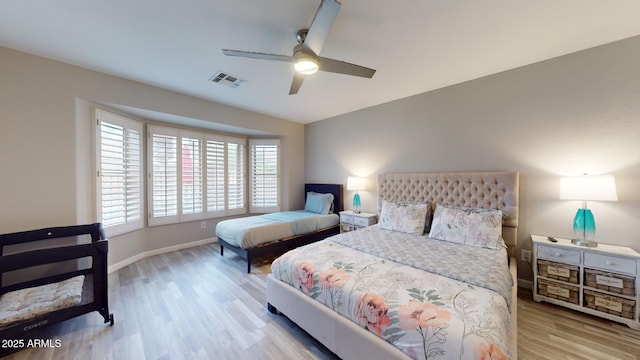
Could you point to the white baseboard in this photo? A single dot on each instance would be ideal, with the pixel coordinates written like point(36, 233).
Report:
point(525, 284)
point(119, 265)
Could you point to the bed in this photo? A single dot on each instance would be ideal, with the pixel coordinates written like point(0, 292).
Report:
point(385, 292)
point(277, 233)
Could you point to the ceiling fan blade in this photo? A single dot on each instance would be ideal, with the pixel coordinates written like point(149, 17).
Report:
point(257, 55)
point(341, 67)
point(321, 25)
point(297, 82)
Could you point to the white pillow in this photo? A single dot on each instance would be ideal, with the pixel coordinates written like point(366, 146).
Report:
point(403, 216)
point(475, 227)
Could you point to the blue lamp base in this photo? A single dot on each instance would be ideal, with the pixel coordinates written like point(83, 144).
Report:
point(356, 203)
point(584, 228)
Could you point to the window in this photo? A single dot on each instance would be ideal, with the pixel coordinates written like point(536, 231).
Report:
point(191, 175)
point(119, 173)
point(163, 191)
point(215, 174)
point(194, 175)
point(235, 176)
point(265, 175)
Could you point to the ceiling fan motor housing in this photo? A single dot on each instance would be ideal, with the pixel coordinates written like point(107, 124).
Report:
point(301, 35)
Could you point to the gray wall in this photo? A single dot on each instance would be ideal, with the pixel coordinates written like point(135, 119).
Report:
point(577, 113)
point(46, 147)
point(570, 115)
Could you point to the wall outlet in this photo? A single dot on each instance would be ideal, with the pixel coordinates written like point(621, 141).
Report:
point(203, 225)
point(525, 255)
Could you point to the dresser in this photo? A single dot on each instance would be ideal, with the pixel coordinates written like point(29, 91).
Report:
point(601, 281)
point(350, 220)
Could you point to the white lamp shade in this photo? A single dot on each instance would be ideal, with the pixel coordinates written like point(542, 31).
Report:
point(599, 188)
point(355, 183)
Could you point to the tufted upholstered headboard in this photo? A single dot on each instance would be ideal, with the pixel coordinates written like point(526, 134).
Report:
point(489, 190)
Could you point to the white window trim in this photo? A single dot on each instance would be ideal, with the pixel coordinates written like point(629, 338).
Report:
point(219, 212)
point(243, 209)
point(104, 116)
point(179, 134)
point(168, 219)
point(264, 209)
point(196, 215)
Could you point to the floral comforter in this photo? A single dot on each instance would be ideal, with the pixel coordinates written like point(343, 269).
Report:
point(424, 314)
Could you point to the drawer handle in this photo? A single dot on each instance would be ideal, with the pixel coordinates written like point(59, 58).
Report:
point(610, 263)
point(557, 254)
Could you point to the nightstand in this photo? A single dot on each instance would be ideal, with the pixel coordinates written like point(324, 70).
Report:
point(350, 221)
point(601, 281)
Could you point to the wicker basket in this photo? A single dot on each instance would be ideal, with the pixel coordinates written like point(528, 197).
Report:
point(557, 271)
point(609, 304)
point(611, 282)
point(558, 291)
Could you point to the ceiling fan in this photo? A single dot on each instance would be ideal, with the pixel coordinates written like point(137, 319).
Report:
point(305, 55)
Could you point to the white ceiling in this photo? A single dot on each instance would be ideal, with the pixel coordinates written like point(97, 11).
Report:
point(415, 45)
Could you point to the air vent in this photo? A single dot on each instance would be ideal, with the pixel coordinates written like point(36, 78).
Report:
point(227, 79)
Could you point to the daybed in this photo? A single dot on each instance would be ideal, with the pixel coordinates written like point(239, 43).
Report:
point(76, 285)
point(274, 234)
point(396, 291)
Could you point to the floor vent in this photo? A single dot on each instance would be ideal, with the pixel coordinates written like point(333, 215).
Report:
point(227, 79)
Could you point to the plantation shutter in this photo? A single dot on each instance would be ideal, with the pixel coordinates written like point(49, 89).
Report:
point(192, 181)
point(163, 149)
point(265, 175)
point(215, 164)
point(120, 182)
point(235, 176)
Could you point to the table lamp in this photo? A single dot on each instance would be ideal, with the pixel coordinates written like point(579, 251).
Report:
point(585, 188)
point(356, 184)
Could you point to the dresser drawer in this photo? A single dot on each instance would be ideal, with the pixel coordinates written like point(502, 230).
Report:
point(344, 227)
point(559, 271)
point(559, 291)
point(559, 255)
point(611, 304)
point(611, 263)
point(346, 218)
point(361, 221)
point(610, 281)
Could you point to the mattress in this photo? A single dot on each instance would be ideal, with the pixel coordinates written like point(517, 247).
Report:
point(428, 298)
point(253, 231)
point(29, 303)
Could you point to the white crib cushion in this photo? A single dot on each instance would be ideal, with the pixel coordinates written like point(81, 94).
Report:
point(25, 304)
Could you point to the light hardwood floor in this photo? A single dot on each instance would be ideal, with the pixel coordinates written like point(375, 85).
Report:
point(551, 332)
point(195, 304)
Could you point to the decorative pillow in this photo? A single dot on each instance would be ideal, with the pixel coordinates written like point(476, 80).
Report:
point(503, 214)
point(319, 203)
point(475, 227)
point(403, 216)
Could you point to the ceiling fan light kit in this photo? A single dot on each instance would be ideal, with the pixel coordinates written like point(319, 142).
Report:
point(306, 66)
point(305, 62)
point(305, 54)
